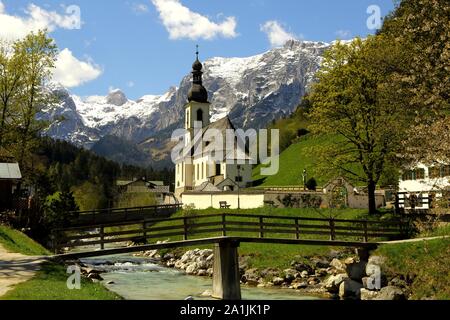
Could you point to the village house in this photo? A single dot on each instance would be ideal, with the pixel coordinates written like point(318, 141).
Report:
point(156, 188)
point(10, 176)
point(419, 186)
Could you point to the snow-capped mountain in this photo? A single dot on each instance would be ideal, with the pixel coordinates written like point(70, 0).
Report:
point(253, 91)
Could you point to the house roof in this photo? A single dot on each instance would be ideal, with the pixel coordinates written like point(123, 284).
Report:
point(10, 171)
point(206, 187)
point(226, 183)
point(127, 182)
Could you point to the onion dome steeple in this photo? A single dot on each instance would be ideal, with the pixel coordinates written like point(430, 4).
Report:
point(197, 93)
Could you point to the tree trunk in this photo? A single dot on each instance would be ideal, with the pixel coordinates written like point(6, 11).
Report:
point(371, 186)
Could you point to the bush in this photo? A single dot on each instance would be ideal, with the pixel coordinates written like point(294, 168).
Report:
point(311, 184)
point(57, 208)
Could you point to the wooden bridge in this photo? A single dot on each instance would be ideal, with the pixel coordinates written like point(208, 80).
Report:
point(112, 215)
point(225, 232)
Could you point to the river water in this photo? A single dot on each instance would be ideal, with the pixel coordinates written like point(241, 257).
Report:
point(137, 278)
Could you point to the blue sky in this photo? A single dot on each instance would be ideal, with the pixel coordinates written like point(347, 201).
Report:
point(146, 46)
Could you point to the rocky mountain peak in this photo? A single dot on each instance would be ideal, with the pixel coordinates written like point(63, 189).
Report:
point(117, 98)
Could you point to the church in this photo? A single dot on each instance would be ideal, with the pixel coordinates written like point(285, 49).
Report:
point(202, 171)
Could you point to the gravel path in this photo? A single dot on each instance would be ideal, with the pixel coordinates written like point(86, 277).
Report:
point(16, 268)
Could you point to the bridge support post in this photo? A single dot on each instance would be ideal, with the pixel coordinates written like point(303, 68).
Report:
point(226, 279)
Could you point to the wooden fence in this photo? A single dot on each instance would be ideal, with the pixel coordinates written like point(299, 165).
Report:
point(241, 225)
point(81, 218)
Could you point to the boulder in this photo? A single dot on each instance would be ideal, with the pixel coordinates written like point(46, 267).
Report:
point(375, 272)
point(151, 253)
point(202, 273)
point(270, 272)
point(321, 272)
point(250, 277)
point(320, 262)
point(202, 264)
point(333, 283)
point(300, 266)
point(350, 289)
point(304, 274)
point(278, 281)
point(210, 258)
point(338, 265)
point(366, 294)
point(168, 256)
point(356, 270)
point(171, 263)
point(94, 276)
point(192, 268)
point(391, 293)
point(251, 282)
point(290, 275)
point(374, 283)
point(299, 285)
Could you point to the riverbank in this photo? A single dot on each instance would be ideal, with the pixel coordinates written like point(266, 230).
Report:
point(416, 269)
point(26, 275)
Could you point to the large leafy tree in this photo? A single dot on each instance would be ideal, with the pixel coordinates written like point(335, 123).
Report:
point(422, 29)
point(354, 98)
point(38, 54)
point(11, 81)
point(25, 70)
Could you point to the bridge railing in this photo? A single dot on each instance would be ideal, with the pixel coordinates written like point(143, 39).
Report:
point(241, 225)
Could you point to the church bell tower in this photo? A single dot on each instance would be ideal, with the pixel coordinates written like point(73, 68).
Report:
point(197, 108)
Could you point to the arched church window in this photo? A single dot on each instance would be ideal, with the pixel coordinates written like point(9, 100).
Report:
point(200, 115)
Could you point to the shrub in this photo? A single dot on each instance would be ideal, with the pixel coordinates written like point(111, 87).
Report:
point(311, 184)
point(57, 208)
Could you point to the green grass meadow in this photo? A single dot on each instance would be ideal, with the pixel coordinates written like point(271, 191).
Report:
point(15, 241)
point(50, 283)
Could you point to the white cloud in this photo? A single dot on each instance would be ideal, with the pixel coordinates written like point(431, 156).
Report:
point(140, 8)
point(181, 22)
point(277, 34)
point(130, 84)
point(71, 72)
point(344, 34)
point(16, 27)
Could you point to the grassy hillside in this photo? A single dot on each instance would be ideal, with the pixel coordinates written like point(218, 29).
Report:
point(302, 154)
point(425, 264)
point(294, 160)
point(15, 241)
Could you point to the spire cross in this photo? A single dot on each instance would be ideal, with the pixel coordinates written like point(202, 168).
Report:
point(197, 51)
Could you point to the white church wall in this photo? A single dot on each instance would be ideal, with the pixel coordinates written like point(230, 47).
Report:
point(200, 171)
point(212, 200)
